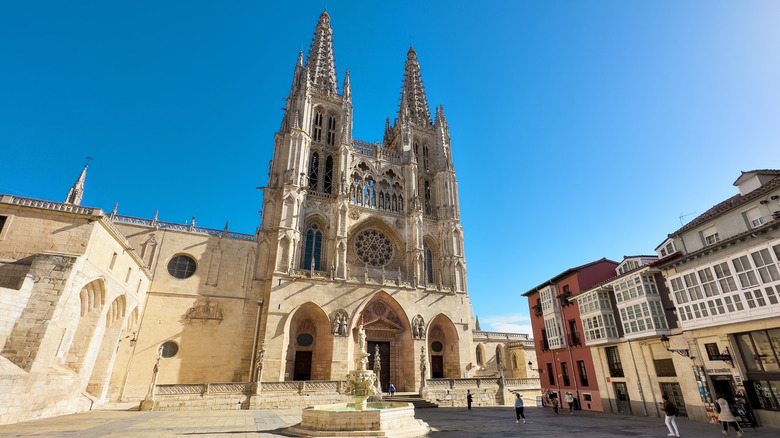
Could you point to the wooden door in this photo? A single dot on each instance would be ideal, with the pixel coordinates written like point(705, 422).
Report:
point(437, 367)
point(384, 359)
point(621, 396)
point(302, 368)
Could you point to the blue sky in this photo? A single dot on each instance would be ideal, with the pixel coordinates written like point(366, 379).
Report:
point(580, 130)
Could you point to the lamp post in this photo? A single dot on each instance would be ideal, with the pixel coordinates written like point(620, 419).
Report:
point(665, 341)
point(147, 404)
point(253, 361)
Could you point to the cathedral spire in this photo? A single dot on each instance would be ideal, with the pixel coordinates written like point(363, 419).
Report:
point(77, 191)
point(320, 64)
point(414, 104)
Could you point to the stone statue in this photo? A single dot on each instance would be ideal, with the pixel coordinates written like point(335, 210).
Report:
point(362, 339)
point(377, 361)
point(343, 325)
point(336, 324)
point(423, 368)
point(259, 361)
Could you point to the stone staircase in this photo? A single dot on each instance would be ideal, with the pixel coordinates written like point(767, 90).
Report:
point(410, 397)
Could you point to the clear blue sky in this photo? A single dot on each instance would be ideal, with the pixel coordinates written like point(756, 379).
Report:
point(580, 129)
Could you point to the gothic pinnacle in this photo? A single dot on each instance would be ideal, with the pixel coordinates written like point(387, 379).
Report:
point(414, 104)
point(320, 63)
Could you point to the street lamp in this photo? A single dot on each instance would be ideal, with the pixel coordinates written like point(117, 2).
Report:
point(666, 343)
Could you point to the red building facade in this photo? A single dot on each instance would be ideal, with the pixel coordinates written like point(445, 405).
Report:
point(564, 361)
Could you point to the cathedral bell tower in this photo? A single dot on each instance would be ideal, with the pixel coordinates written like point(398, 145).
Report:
point(310, 154)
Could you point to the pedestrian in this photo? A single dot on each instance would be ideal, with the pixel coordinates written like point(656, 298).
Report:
point(519, 408)
point(671, 414)
point(725, 416)
point(390, 389)
point(469, 398)
point(570, 402)
point(555, 404)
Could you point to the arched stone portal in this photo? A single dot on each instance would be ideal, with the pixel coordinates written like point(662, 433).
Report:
point(309, 344)
point(443, 348)
point(387, 326)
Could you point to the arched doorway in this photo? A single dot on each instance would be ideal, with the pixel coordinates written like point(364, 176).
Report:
point(387, 327)
point(309, 344)
point(443, 348)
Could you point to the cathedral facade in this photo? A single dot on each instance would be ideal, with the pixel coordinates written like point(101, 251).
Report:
point(98, 307)
point(357, 233)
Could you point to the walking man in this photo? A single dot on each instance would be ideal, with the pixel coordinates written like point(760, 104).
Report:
point(725, 416)
point(469, 398)
point(671, 414)
point(570, 402)
point(519, 408)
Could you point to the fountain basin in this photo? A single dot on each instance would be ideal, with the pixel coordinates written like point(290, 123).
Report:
point(377, 420)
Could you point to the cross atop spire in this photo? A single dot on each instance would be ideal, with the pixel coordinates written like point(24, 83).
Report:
point(77, 191)
point(320, 64)
point(414, 104)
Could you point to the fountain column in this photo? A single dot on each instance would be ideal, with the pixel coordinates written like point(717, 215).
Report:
point(361, 381)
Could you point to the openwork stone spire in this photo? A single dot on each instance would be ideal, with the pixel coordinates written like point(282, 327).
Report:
point(320, 64)
point(414, 104)
point(77, 191)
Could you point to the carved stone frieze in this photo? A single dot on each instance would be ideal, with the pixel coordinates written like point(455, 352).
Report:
point(204, 311)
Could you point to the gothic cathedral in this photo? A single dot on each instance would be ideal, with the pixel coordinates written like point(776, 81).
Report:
point(98, 307)
point(358, 233)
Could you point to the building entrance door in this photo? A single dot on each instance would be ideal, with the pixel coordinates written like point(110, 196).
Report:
point(621, 397)
point(674, 392)
point(384, 359)
point(302, 368)
point(437, 367)
point(723, 386)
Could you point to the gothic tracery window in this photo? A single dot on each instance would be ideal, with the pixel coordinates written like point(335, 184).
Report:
point(428, 263)
point(314, 171)
point(317, 128)
point(330, 137)
point(329, 174)
point(313, 248)
point(428, 204)
point(373, 248)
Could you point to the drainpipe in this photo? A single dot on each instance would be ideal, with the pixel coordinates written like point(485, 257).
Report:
point(638, 381)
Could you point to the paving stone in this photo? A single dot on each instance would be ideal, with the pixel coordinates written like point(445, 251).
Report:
point(493, 422)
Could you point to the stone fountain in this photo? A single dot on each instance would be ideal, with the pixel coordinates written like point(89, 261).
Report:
point(360, 418)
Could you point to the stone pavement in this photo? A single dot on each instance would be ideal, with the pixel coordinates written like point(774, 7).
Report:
point(446, 422)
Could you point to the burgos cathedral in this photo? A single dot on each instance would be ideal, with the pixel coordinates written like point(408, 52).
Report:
point(96, 307)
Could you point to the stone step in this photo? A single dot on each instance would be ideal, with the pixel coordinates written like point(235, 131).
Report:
point(416, 400)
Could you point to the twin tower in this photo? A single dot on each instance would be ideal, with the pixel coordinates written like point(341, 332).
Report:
point(361, 233)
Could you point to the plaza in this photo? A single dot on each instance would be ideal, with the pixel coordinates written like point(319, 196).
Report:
point(445, 422)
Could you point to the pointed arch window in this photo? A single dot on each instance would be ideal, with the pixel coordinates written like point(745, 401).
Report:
point(425, 157)
point(428, 263)
point(428, 206)
point(314, 171)
point(329, 174)
point(330, 136)
point(316, 132)
point(313, 249)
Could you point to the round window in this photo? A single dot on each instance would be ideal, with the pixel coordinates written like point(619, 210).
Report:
point(437, 347)
point(182, 266)
point(373, 248)
point(305, 339)
point(169, 349)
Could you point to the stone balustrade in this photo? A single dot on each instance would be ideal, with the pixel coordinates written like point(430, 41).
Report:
point(49, 205)
point(180, 227)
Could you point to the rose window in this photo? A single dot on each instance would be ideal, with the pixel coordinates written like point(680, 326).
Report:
point(373, 248)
